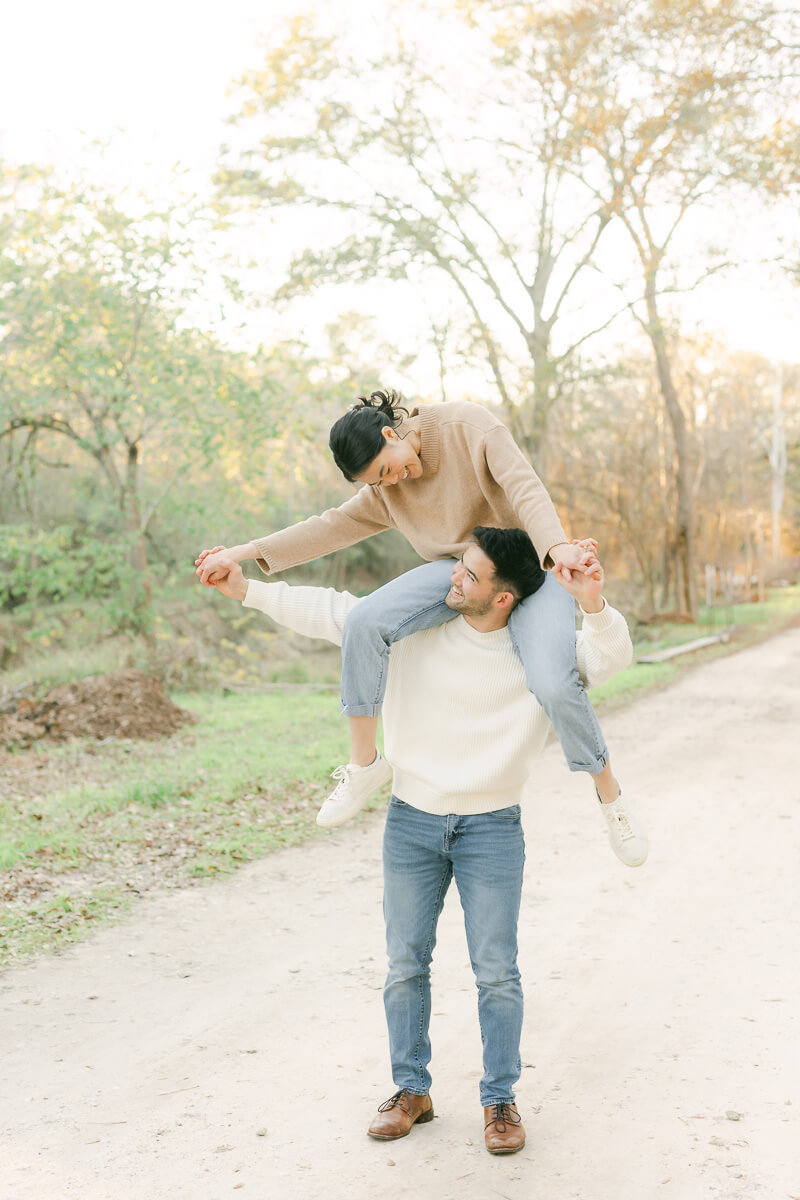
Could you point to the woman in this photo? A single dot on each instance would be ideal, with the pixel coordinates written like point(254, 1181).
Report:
point(435, 473)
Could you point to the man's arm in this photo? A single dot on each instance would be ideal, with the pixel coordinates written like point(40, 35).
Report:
point(313, 611)
point(603, 646)
point(604, 643)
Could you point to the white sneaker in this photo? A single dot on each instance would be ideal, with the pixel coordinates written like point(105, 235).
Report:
point(626, 833)
point(355, 786)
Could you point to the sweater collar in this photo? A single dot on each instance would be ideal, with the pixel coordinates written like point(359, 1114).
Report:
point(424, 420)
point(494, 639)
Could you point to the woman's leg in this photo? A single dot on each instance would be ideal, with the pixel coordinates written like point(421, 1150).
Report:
point(413, 601)
point(542, 629)
point(407, 604)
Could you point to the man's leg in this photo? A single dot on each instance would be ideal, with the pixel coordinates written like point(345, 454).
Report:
point(416, 876)
point(542, 630)
point(411, 602)
point(488, 861)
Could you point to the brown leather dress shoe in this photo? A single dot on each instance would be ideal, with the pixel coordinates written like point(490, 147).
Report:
point(397, 1114)
point(503, 1129)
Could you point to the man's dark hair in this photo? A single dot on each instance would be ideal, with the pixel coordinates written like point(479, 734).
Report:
point(356, 439)
point(516, 563)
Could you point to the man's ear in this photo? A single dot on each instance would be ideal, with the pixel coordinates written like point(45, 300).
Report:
point(505, 600)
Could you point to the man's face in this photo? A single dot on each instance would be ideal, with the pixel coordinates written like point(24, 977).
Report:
point(472, 584)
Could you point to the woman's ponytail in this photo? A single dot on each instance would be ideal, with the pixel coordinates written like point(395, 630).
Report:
point(356, 438)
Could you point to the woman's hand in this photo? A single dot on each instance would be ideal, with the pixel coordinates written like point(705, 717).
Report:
point(213, 565)
point(576, 555)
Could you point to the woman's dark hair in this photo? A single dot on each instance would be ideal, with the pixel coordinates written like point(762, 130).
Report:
point(516, 563)
point(355, 439)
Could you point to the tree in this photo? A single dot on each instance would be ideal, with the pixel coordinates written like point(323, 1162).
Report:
point(420, 178)
point(502, 160)
point(671, 107)
point(97, 353)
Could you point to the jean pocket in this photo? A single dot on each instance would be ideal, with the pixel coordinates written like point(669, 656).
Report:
point(512, 813)
point(396, 802)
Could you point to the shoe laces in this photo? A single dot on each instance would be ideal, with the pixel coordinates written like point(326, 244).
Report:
point(504, 1115)
point(341, 774)
point(399, 1099)
point(620, 819)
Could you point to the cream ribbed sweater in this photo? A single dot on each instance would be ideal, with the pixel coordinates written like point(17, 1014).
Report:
point(460, 727)
point(473, 473)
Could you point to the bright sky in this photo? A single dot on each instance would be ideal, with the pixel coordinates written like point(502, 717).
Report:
point(159, 73)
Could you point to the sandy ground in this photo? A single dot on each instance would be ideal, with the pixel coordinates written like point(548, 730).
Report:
point(232, 1038)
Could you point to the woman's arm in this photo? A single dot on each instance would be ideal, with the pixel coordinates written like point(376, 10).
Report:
point(526, 493)
point(362, 516)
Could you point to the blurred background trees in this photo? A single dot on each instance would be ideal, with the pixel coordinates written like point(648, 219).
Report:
point(545, 187)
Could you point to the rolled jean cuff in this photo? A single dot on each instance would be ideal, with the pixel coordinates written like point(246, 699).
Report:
point(361, 710)
point(592, 768)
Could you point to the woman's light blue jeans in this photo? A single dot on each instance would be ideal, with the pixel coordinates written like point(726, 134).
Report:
point(421, 854)
point(542, 630)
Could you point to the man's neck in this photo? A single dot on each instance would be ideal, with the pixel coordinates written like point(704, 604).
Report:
point(488, 623)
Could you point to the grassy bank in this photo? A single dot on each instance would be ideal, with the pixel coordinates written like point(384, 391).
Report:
point(86, 828)
point(750, 623)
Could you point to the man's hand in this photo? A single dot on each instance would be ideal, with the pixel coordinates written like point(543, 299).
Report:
point(233, 583)
point(585, 585)
point(572, 556)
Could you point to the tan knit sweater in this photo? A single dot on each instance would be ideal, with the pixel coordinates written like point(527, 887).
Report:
point(473, 473)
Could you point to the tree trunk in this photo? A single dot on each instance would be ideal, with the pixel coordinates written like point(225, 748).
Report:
point(143, 595)
point(684, 521)
point(666, 570)
point(777, 461)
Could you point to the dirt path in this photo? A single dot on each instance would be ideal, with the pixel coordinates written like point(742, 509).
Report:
point(232, 1038)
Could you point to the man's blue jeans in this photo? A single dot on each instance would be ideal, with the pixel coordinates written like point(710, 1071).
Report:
point(542, 630)
point(421, 854)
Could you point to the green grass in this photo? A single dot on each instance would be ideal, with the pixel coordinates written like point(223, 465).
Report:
point(60, 920)
point(245, 780)
point(102, 824)
point(752, 623)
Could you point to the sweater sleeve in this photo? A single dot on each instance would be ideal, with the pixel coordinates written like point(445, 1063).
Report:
point(604, 646)
point(526, 493)
point(362, 516)
point(313, 611)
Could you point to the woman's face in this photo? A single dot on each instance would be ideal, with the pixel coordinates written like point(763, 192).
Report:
point(396, 462)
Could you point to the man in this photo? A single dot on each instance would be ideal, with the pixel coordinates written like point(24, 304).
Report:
point(461, 730)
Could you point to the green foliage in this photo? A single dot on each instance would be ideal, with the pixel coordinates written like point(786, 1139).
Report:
point(244, 781)
point(509, 157)
point(60, 563)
